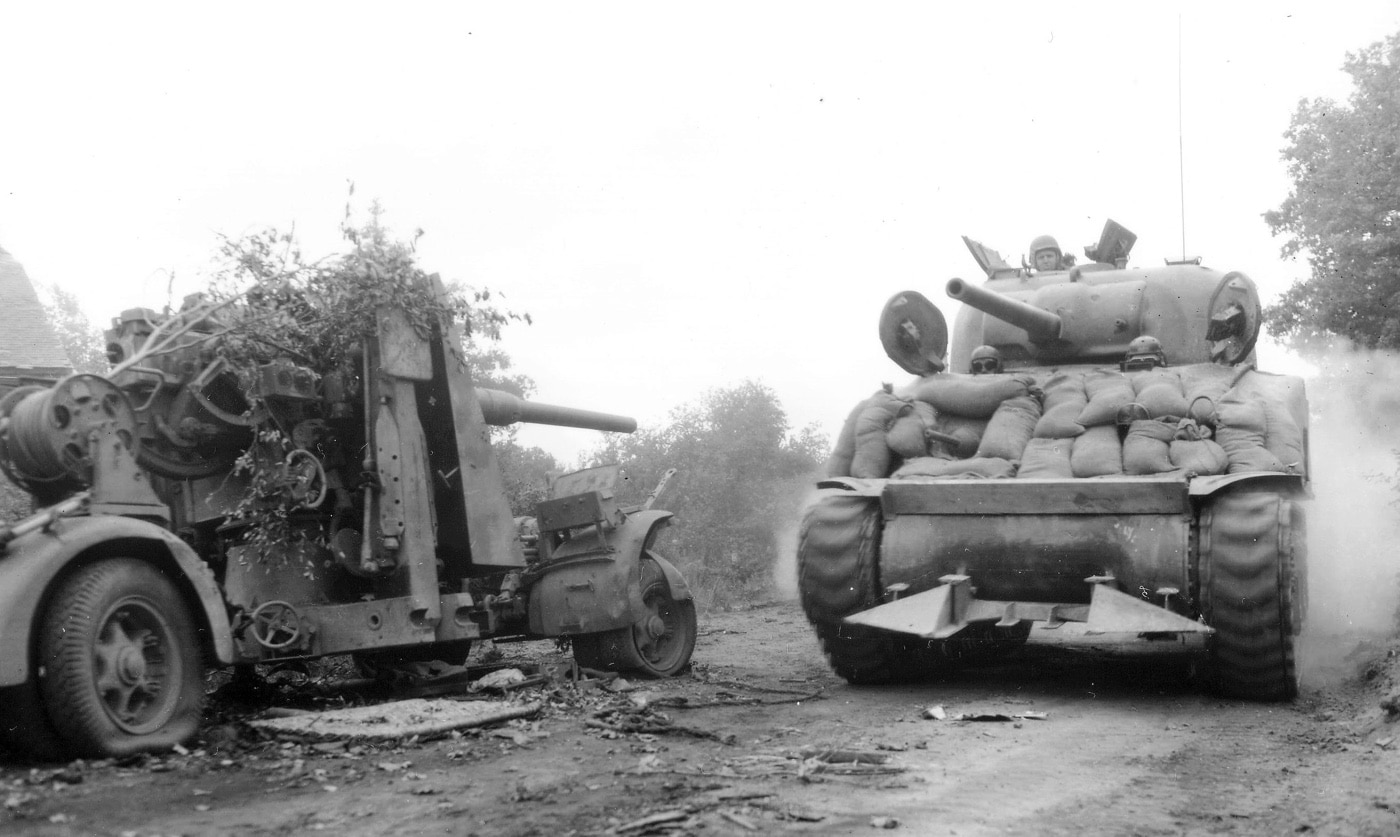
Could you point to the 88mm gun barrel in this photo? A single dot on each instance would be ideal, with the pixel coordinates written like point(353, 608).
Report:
point(1040, 324)
point(501, 408)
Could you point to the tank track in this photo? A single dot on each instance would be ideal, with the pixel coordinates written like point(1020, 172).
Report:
point(838, 574)
point(1251, 567)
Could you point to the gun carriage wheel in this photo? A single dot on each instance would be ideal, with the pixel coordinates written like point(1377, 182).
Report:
point(657, 645)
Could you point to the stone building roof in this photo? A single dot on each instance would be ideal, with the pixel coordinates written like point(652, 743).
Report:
point(28, 344)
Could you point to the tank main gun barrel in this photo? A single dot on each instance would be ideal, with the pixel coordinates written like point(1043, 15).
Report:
point(501, 408)
point(1040, 324)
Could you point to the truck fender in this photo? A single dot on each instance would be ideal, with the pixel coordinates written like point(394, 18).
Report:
point(590, 587)
point(680, 590)
point(31, 565)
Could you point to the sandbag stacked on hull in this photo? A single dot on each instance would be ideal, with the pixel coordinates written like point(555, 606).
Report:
point(1098, 453)
point(1195, 452)
point(1204, 386)
point(1285, 414)
point(1147, 447)
point(1010, 428)
point(1159, 391)
point(1077, 422)
point(1242, 431)
point(1065, 400)
point(1109, 391)
point(1068, 397)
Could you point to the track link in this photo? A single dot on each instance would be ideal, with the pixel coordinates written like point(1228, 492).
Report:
point(838, 574)
point(1250, 593)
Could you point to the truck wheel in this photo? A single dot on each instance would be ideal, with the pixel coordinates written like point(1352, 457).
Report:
point(838, 552)
point(1251, 546)
point(121, 660)
point(659, 645)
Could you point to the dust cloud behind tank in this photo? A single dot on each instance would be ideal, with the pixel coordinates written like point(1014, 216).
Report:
point(1125, 478)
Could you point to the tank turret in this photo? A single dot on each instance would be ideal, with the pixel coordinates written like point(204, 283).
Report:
point(1087, 314)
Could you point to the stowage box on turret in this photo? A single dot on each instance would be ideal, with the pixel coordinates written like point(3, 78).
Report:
point(1096, 462)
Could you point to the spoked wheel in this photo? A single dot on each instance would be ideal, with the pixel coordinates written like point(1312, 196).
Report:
point(657, 645)
point(122, 666)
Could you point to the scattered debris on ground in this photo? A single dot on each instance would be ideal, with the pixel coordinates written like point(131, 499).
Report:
point(938, 713)
point(655, 764)
point(419, 717)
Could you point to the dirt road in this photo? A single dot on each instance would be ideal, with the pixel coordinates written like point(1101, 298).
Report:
point(1101, 749)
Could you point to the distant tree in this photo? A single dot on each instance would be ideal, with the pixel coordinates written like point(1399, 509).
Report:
point(1344, 210)
point(740, 479)
point(82, 341)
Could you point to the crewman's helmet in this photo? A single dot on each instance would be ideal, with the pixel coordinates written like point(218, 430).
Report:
point(985, 360)
point(1144, 352)
point(1042, 243)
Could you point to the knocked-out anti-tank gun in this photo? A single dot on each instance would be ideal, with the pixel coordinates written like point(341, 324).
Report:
point(190, 511)
point(1096, 461)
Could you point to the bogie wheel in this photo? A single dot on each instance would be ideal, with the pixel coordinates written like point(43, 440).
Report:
point(1250, 572)
point(121, 660)
point(657, 645)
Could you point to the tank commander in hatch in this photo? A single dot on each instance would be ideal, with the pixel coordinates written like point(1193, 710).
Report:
point(986, 360)
point(1046, 253)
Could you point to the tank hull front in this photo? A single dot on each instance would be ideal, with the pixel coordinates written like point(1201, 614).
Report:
point(1038, 541)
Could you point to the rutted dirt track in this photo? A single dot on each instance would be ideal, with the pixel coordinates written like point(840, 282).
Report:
point(1121, 749)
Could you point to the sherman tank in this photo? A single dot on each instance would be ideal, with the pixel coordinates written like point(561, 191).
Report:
point(1094, 460)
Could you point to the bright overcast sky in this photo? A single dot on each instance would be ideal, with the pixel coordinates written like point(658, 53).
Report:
point(682, 196)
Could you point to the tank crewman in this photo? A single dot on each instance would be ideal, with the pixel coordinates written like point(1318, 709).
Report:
point(985, 360)
point(1046, 253)
point(1144, 352)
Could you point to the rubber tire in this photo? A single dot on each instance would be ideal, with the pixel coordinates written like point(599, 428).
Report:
point(88, 602)
point(630, 649)
point(1250, 593)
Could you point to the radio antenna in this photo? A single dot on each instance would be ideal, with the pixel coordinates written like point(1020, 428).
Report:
point(1180, 145)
